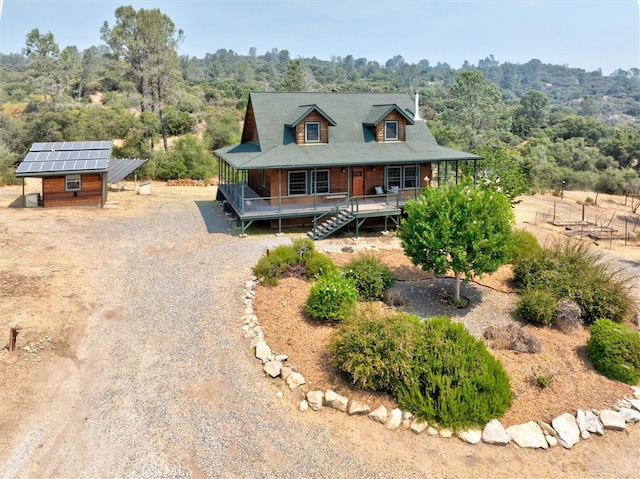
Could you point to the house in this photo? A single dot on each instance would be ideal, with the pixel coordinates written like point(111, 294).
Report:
point(74, 173)
point(330, 159)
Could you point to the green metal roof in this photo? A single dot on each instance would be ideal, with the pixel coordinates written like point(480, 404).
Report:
point(351, 141)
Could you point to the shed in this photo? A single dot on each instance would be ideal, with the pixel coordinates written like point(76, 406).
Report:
point(74, 173)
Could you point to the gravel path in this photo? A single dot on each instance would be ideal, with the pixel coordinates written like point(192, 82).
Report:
point(163, 385)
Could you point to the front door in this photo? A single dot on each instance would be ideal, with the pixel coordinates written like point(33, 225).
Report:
point(357, 182)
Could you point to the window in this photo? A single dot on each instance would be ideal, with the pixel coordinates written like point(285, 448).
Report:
point(72, 183)
point(311, 132)
point(390, 130)
point(297, 183)
point(394, 174)
point(410, 176)
point(320, 183)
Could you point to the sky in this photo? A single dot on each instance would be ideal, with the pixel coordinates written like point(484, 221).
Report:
point(592, 35)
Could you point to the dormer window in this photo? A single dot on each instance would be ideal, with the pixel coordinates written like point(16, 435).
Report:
point(391, 130)
point(312, 132)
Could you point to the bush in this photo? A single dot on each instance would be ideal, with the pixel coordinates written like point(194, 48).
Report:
point(457, 382)
point(571, 270)
point(538, 306)
point(273, 265)
point(371, 276)
point(332, 297)
point(523, 245)
point(614, 350)
point(300, 259)
point(376, 352)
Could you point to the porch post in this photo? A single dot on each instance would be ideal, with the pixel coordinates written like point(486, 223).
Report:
point(242, 176)
point(279, 190)
point(456, 172)
point(315, 188)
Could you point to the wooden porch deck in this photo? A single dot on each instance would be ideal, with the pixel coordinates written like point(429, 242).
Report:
point(247, 206)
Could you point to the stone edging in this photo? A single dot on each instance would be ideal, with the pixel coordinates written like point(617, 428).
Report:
point(566, 429)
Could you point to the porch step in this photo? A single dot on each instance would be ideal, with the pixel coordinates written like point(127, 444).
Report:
point(332, 224)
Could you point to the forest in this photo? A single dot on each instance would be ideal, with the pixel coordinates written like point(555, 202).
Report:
point(539, 126)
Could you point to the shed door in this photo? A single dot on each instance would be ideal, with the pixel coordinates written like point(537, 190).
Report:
point(357, 182)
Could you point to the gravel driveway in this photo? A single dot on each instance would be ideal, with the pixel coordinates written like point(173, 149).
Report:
point(163, 385)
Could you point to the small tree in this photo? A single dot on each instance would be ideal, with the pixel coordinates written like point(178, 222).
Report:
point(459, 228)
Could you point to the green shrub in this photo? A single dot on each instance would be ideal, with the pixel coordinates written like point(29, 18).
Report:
point(542, 380)
point(614, 350)
point(538, 306)
point(304, 248)
point(457, 382)
point(320, 265)
point(376, 352)
point(299, 259)
point(573, 271)
point(371, 276)
point(273, 265)
point(523, 245)
point(332, 297)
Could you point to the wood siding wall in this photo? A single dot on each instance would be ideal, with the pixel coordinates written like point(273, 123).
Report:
point(324, 128)
point(339, 183)
point(54, 194)
point(393, 116)
point(249, 130)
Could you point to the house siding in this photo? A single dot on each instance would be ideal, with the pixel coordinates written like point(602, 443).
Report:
point(324, 128)
point(392, 116)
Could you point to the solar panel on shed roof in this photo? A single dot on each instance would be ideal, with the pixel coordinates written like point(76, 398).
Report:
point(70, 156)
point(72, 146)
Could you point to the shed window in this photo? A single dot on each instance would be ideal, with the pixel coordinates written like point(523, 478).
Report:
point(390, 130)
point(312, 132)
point(320, 183)
point(72, 183)
point(297, 183)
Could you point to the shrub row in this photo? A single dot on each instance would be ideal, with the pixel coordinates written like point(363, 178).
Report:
point(434, 368)
point(571, 270)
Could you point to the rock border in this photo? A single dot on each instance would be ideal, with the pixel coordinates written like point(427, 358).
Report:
point(567, 429)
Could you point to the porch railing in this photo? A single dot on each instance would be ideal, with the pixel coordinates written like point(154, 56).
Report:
point(246, 201)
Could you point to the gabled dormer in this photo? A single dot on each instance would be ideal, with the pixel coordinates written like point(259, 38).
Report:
point(388, 122)
point(311, 125)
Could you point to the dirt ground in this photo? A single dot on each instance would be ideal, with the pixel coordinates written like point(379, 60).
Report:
point(39, 293)
point(575, 384)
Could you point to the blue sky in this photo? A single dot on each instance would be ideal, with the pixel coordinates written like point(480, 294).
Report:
point(582, 34)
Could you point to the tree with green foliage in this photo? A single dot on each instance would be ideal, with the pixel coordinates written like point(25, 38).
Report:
point(222, 130)
point(43, 54)
point(499, 170)
point(531, 114)
point(475, 106)
point(459, 228)
point(293, 80)
point(8, 160)
point(187, 158)
point(147, 40)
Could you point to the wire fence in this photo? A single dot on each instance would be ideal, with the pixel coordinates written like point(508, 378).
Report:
point(591, 221)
